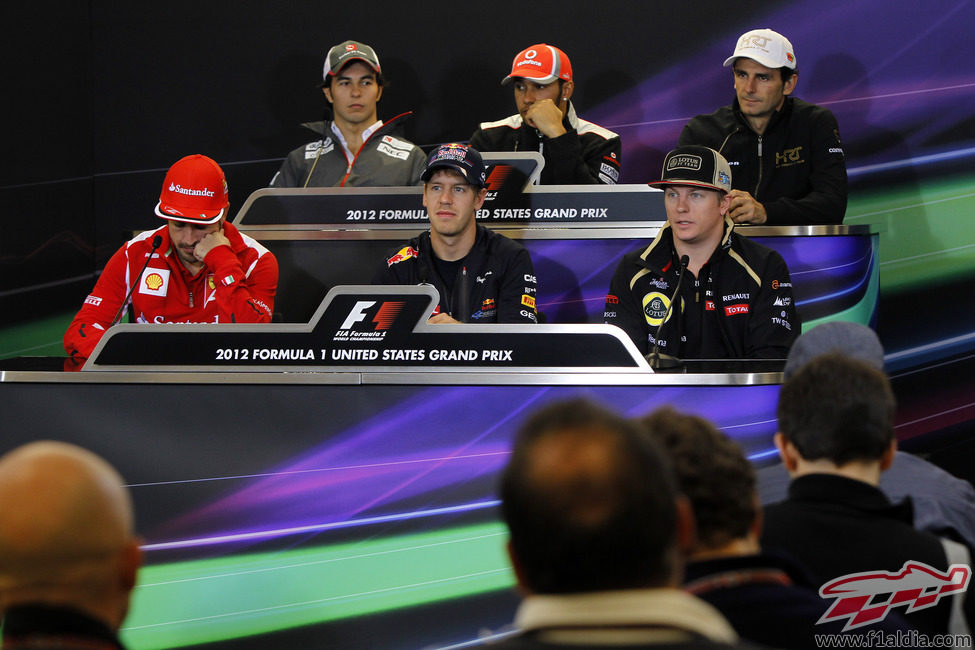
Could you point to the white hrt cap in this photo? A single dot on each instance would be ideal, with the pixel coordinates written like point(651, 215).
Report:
point(771, 49)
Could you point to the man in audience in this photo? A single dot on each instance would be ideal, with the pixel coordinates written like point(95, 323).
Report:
point(482, 277)
point(766, 597)
point(198, 268)
point(68, 555)
point(943, 504)
point(735, 297)
point(575, 151)
point(356, 148)
point(596, 526)
point(836, 437)
point(786, 154)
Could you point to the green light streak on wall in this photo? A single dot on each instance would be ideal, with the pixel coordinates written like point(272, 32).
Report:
point(929, 231)
point(860, 312)
point(202, 601)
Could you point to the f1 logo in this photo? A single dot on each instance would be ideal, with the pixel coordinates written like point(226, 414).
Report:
point(358, 313)
point(385, 315)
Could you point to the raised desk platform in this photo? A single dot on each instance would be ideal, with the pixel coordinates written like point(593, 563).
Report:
point(324, 504)
point(310, 495)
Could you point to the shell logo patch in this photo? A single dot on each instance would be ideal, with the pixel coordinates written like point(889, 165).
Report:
point(155, 282)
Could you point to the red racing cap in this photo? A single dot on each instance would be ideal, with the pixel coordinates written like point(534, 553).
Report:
point(540, 63)
point(195, 191)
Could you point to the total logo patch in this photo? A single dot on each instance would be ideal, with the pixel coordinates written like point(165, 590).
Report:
point(155, 282)
point(655, 308)
point(731, 310)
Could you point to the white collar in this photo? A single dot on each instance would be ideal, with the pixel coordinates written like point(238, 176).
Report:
point(365, 136)
point(658, 611)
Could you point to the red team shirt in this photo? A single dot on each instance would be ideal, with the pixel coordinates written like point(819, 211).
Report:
point(236, 285)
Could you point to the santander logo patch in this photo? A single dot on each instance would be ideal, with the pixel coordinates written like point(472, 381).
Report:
point(173, 187)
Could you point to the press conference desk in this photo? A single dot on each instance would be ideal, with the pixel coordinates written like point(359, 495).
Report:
point(313, 484)
point(347, 506)
point(576, 235)
point(297, 492)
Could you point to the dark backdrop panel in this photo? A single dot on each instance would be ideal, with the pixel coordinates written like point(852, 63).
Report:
point(110, 93)
point(47, 225)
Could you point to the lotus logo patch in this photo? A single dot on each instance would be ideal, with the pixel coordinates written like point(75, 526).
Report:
point(684, 161)
point(655, 308)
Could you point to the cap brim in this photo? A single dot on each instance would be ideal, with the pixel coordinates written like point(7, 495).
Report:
point(539, 80)
point(707, 186)
point(768, 63)
point(372, 66)
point(463, 171)
point(203, 218)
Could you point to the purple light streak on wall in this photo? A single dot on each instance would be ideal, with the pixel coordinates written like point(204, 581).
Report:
point(580, 297)
point(833, 253)
point(579, 294)
point(893, 73)
point(453, 436)
point(450, 454)
point(262, 534)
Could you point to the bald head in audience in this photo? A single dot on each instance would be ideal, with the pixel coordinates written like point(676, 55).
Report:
point(591, 504)
point(66, 532)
